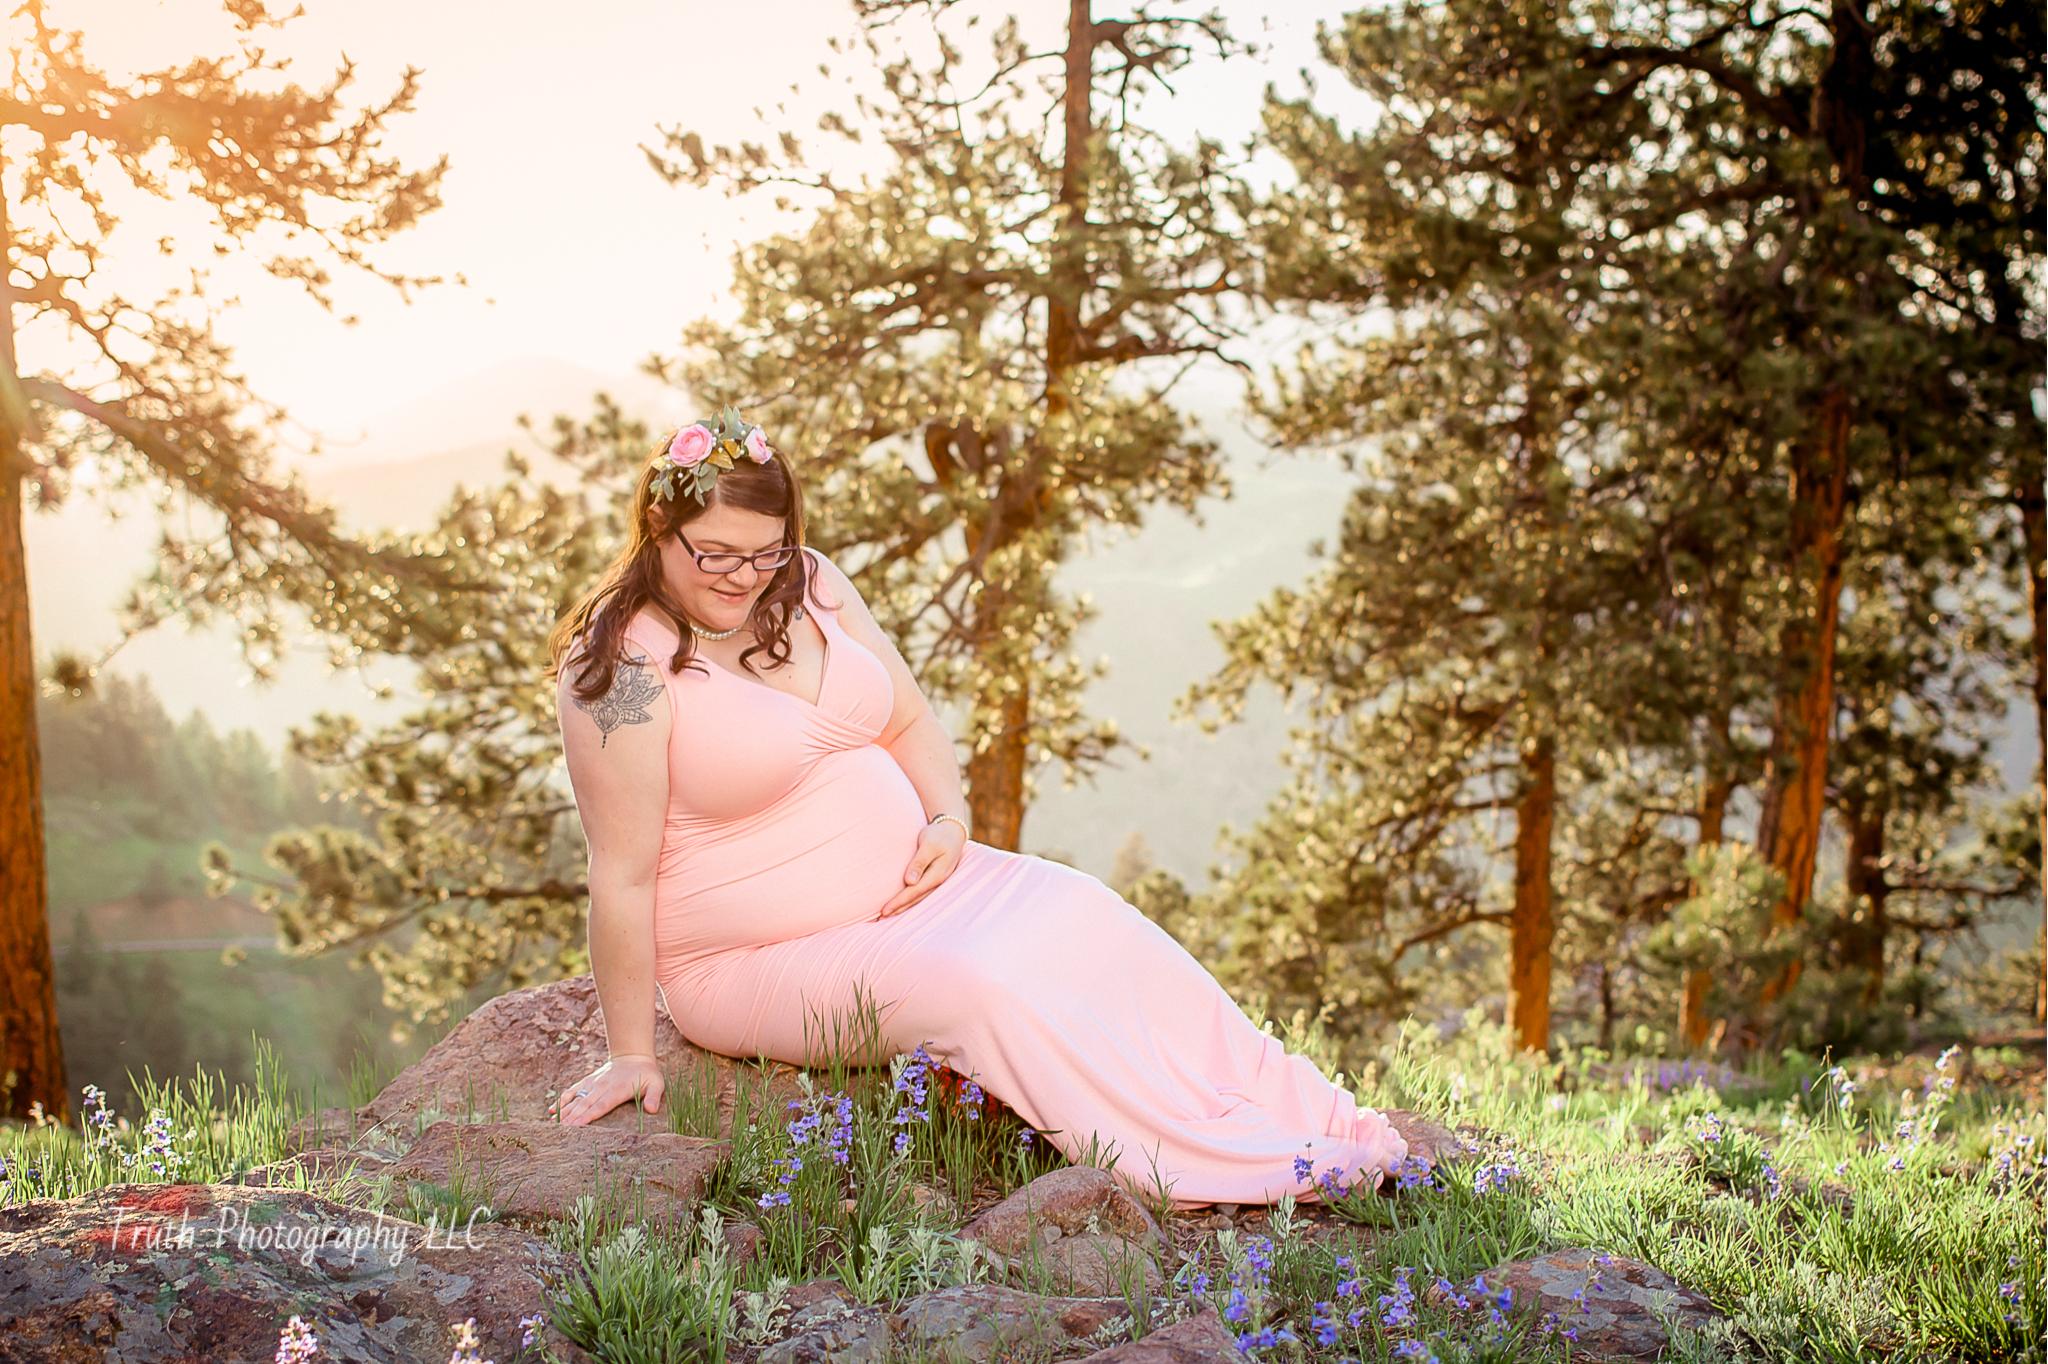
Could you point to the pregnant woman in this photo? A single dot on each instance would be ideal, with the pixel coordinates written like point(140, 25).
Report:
point(777, 834)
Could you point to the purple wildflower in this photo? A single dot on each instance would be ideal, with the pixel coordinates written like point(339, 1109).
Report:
point(1397, 1308)
point(1494, 1178)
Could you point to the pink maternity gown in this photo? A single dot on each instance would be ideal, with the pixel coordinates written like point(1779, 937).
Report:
point(788, 828)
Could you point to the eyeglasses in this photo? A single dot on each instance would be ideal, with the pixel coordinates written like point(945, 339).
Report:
point(767, 561)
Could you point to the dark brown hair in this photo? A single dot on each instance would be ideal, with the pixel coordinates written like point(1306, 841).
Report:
point(591, 637)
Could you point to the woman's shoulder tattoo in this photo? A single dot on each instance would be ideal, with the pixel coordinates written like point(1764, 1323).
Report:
point(633, 687)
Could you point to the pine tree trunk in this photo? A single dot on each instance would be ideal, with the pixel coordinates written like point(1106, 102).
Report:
point(1533, 925)
point(1863, 874)
point(1692, 1001)
point(1788, 831)
point(2035, 537)
point(31, 1047)
point(1001, 757)
point(995, 771)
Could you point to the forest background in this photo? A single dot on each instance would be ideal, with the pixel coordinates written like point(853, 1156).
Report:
point(1661, 393)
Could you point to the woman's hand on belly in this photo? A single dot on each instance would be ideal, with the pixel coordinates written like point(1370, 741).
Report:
point(939, 847)
point(611, 1084)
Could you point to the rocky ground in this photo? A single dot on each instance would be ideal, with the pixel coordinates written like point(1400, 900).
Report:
point(177, 1272)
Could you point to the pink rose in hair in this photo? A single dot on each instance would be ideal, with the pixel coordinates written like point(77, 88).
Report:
point(757, 446)
point(690, 446)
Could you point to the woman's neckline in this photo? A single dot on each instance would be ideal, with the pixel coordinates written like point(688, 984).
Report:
point(824, 669)
point(661, 623)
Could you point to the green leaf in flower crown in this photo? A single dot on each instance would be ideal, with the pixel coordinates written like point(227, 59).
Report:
point(735, 429)
point(666, 485)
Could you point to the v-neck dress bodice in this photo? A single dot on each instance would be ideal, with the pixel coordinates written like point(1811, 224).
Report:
point(784, 817)
point(789, 827)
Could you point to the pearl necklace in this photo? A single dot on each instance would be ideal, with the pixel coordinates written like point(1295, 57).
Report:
point(702, 633)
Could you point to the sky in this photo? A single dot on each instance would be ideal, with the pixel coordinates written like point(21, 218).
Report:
point(570, 244)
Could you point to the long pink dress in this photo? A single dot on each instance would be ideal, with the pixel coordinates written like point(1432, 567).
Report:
point(789, 827)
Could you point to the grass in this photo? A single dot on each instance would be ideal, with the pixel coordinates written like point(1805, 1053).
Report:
point(1882, 1209)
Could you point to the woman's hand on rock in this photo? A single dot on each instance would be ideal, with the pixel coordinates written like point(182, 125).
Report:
point(622, 1078)
point(939, 847)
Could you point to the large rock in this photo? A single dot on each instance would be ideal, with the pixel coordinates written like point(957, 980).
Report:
point(851, 1334)
point(1092, 1265)
point(1200, 1339)
point(1078, 1200)
point(1612, 1303)
point(511, 1058)
point(180, 1272)
point(1075, 1231)
point(1430, 1141)
point(979, 1321)
point(540, 1169)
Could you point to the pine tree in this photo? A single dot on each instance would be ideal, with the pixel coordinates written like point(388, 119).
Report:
point(972, 352)
point(1788, 255)
point(146, 393)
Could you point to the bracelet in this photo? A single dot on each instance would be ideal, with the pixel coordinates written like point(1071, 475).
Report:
point(955, 818)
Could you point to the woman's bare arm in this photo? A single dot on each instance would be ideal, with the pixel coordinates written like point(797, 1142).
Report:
point(617, 751)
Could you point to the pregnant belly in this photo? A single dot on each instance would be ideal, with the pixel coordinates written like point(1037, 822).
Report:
point(829, 853)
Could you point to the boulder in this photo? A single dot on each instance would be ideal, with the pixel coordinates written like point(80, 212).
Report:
point(1074, 1231)
point(850, 1335)
point(979, 1321)
point(819, 1298)
point(510, 1059)
point(1202, 1339)
point(1428, 1140)
point(743, 1241)
point(540, 1169)
point(1094, 1265)
point(1611, 1303)
point(1076, 1201)
point(179, 1272)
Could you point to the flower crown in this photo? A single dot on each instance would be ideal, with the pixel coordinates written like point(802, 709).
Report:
point(702, 450)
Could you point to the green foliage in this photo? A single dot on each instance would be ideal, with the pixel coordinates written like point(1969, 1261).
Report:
point(647, 1297)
